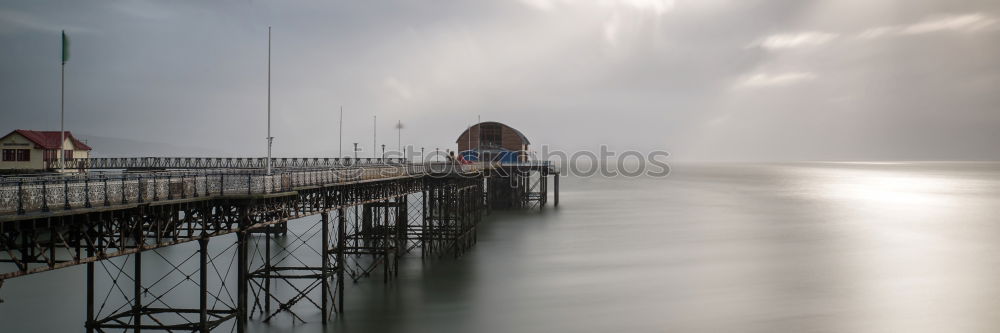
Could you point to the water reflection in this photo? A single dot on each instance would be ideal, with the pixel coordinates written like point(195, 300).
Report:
point(905, 247)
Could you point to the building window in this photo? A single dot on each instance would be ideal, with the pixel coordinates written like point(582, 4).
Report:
point(16, 155)
point(490, 136)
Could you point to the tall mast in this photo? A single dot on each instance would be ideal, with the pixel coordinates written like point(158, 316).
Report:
point(341, 143)
point(270, 139)
point(62, 104)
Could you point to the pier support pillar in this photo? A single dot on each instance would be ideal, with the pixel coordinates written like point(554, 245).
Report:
point(267, 267)
point(137, 294)
point(544, 188)
point(90, 295)
point(242, 276)
point(325, 287)
point(203, 283)
point(402, 214)
point(341, 243)
point(555, 192)
point(424, 236)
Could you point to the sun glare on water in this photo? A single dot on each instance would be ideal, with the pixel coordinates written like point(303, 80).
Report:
point(893, 189)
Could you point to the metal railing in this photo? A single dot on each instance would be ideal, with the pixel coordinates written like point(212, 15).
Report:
point(45, 193)
point(217, 163)
point(547, 164)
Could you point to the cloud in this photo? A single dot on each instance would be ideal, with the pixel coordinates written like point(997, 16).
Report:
point(429, 65)
point(611, 28)
point(966, 23)
point(149, 10)
point(658, 7)
point(15, 20)
point(772, 80)
point(795, 40)
point(398, 87)
point(11, 20)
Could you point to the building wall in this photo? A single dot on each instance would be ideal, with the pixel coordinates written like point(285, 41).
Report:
point(463, 141)
point(17, 141)
point(68, 145)
point(510, 140)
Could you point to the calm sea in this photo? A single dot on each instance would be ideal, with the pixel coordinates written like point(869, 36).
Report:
point(811, 247)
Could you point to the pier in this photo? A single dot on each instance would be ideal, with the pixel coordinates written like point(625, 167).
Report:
point(371, 212)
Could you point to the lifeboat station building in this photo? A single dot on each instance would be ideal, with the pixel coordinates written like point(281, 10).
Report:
point(493, 141)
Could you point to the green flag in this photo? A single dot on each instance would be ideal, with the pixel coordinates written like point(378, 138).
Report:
point(65, 47)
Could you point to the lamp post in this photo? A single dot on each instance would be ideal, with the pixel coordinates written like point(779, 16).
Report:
point(399, 136)
point(421, 154)
point(355, 151)
point(383, 151)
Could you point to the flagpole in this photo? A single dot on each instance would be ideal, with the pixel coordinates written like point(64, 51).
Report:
point(270, 139)
point(479, 140)
point(374, 135)
point(62, 105)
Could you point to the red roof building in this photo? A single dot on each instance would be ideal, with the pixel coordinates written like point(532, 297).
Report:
point(36, 150)
point(50, 139)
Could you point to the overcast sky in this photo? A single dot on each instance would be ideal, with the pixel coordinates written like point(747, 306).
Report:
point(702, 79)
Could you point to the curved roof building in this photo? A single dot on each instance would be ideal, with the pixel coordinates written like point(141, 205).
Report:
point(491, 135)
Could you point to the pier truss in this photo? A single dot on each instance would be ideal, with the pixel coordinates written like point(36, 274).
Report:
point(251, 246)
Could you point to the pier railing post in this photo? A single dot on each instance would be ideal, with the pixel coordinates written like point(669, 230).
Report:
point(66, 193)
point(86, 191)
point(124, 198)
point(139, 188)
point(45, 197)
point(104, 179)
point(20, 196)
